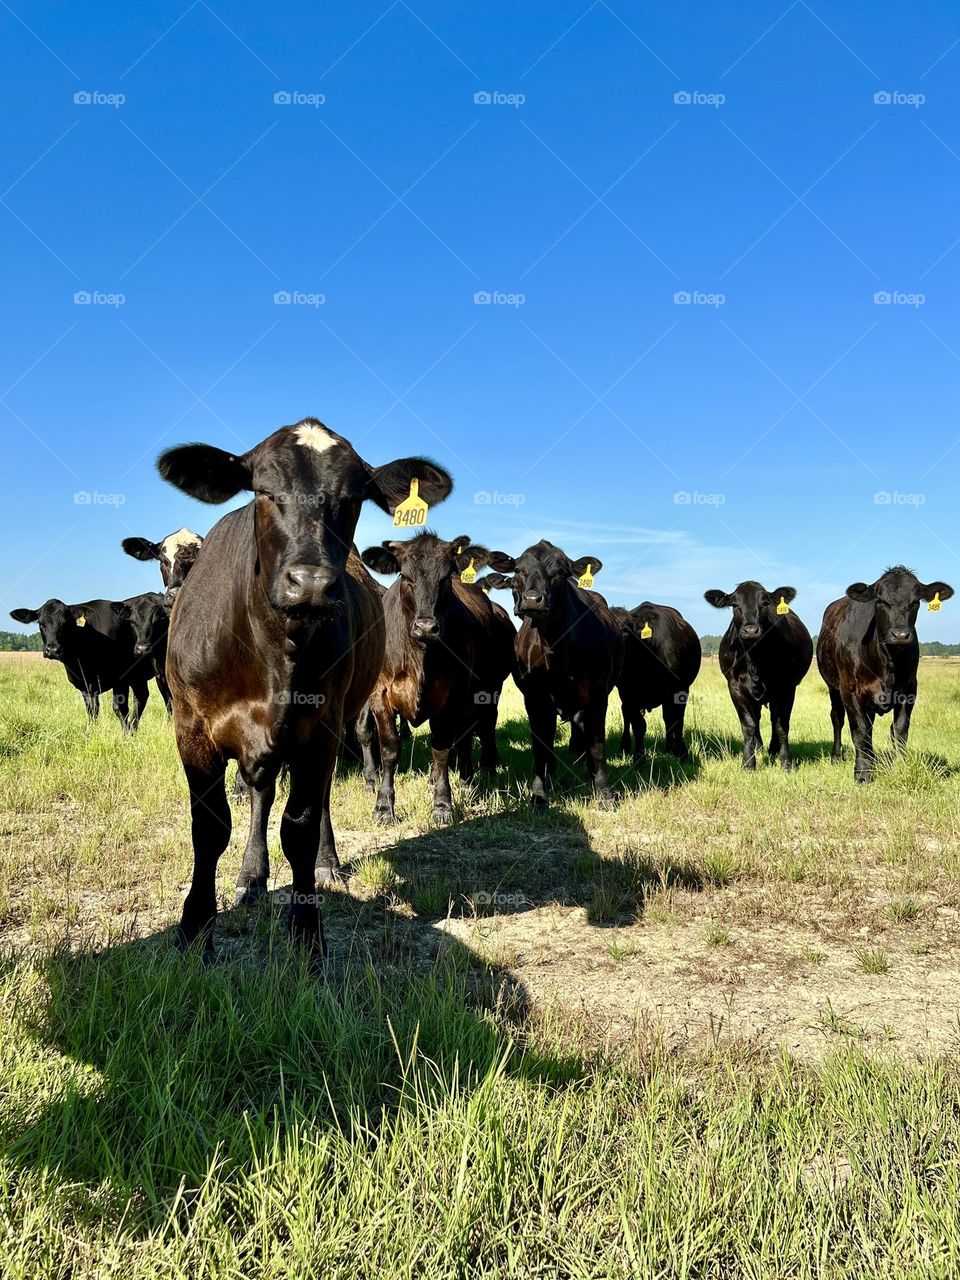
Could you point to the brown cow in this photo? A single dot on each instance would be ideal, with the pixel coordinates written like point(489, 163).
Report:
point(277, 636)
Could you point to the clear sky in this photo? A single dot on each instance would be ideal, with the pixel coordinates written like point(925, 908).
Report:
point(584, 163)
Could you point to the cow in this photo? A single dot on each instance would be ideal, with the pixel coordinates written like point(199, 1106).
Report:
point(868, 654)
point(567, 658)
point(445, 662)
point(277, 636)
point(149, 616)
point(177, 553)
point(661, 659)
point(764, 653)
point(96, 648)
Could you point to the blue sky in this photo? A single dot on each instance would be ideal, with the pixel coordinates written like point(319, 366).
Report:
point(618, 156)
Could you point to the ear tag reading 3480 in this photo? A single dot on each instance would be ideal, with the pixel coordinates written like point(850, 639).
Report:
point(469, 574)
point(586, 578)
point(783, 607)
point(646, 631)
point(412, 511)
point(933, 606)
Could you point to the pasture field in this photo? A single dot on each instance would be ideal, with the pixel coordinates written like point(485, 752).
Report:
point(711, 1033)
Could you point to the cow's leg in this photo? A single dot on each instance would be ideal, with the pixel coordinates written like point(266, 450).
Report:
point(164, 690)
point(300, 829)
point(487, 733)
point(255, 868)
point(463, 747)
point(595, 737)
point(91, 700)
point(442, 733)
point(781, 708)
point(121, 706)
point(748, 709)
point(674, 710)
point(578, 742)
point(836, 719)
point(328, 863)
point(386, 721)
point(141, 693)
point(543, 732)
point(861, 720)
point(903, 710)
point(367, 738)
point(210, 824)
point(639, 723)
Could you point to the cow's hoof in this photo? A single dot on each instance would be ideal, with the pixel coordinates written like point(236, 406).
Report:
point(383, 816)
point(442, 815)
point(329, 877)
point(249, 895)
point(539, 805)
point(787, 766)
point(862, 778)
point(606, 800)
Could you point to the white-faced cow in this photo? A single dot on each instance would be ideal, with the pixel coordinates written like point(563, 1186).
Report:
point(661, 660)
point(868, 654)
point(177, 553)
point(568, 654)
point(445, 649)
point(276, 637)
point(96, 648)
point(765, 652)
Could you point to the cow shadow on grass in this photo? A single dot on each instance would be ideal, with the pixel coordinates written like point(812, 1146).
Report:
point(174, 1068)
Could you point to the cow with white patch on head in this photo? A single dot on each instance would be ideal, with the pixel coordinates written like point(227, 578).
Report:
point(177, 553)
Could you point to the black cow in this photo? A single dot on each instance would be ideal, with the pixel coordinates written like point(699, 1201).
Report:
point(765, 652)
point(442, 642)
point(661, 659)
point(568, 654)
point(149, 616)
point(868, 654)
point(177, 553)
point(277, 636)
point(96, 648)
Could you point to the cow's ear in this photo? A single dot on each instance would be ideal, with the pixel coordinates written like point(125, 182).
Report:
point(500, 561)
point(941, 589)
point(719, 599)
point(141, 548)
point(381, 559)
point(861, 592)
point(496, 582)
point(579, 567)
point(25, 615)
point(205, 472)
point(783, 593)
point(480, 556)
point(390, 484)
point(120, 608)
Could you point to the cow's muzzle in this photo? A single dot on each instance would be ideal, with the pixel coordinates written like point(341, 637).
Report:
point(750, 632)
point(307, 588)
point(425, 628)
point(141, 650)
point(900, 636)
point(53, 652)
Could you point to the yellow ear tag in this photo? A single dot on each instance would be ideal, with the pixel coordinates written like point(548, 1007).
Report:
point(469, 574)
point(783, 607)
point(646, 631)
point(586, 578)
point(933, 606)
point(82, 621)
point(411, 512)
point(485, 590)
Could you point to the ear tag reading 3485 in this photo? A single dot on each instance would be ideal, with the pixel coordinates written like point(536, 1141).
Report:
point(412, 511)
point(646, 631)
point(469, 574)
point(586, 578)
point(933, 606)
point(783, 607)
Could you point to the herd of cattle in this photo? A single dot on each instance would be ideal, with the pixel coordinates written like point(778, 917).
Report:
point(271, 638)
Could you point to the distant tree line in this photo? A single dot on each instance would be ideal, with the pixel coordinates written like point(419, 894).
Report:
point(928, 648)
point(17, 642)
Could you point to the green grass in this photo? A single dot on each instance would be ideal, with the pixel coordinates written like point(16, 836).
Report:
point(417, 1112)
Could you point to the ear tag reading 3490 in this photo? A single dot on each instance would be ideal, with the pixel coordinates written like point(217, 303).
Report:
point(586, 578)
point(933, 606)
point(469, 575)
point(646, 631)
point(412, 511)
point(783, 607)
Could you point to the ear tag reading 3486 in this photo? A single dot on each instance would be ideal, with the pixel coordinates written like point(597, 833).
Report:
point(586, 578)
point(646, 631)
point(412, 511)
point(783, 607)
point(469, 574)
point(933, 606)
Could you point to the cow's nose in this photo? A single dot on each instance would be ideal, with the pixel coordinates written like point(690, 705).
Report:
point(900, 635)
point(141, 649)
point(308, 584)
point(750, 631)
point(425, 629)
point(170, 595)
point(532, 599)
point(52, 651)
